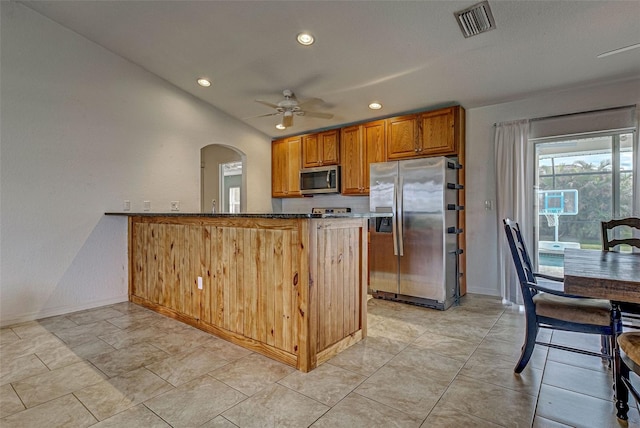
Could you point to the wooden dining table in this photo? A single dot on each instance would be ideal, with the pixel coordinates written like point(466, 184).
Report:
point(605, 275)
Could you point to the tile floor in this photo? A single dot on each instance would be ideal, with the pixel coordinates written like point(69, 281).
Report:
point(125, 366)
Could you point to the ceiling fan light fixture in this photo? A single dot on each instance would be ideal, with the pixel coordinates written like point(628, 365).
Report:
point(375, 105)
point(205, 83)
point(280, 126)
point(305, 39)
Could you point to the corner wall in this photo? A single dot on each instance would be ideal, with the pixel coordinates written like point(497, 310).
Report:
point(82, 130)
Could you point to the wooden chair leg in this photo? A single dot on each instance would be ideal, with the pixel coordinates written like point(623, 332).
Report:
point(527, 348)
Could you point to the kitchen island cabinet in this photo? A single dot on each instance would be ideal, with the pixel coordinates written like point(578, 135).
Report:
point(289, 286)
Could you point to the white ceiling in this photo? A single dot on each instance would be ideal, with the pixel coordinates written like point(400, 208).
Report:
point(408, 55)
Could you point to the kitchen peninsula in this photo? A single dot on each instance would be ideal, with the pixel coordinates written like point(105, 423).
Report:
point(289, 286)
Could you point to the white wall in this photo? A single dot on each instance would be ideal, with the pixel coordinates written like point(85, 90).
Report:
point(482, 225)
point(81, 130)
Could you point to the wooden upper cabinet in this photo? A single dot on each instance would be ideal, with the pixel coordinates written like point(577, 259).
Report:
point(285, 168)
point(360, 146)
point(373, 139)
point(436, 132)
point(402, 137)
point(432, 133)
point(320, 149)
point(352, 160)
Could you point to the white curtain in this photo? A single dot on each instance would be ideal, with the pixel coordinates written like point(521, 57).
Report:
point(514, 175)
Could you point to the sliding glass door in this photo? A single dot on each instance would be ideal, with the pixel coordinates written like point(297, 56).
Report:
point(579, 183)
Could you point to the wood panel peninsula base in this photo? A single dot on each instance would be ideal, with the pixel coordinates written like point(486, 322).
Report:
point(291, 287)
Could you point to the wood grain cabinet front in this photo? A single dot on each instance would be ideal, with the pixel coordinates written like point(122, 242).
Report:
point(285, 168)
point(320, 149)
point(360, 146)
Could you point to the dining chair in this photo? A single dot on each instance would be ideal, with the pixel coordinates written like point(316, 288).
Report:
point(629, 344)
point(548, 307)
point(612, 227)
point(611, 232)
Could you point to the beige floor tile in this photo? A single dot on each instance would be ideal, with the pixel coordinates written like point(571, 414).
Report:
point(64, 411)
point(578, 360)
point(44, 326)
point(138, 416)
point(252, 373)
point(458, 330)
point(86, 333)
point(135, 320)
point(511, 351)
point(123, 360)
point(327, 384)
point(226, 350)
point(9, 401)
point(276, 406)
point(598, 383)
point(7, 336)
point(47, 386)
point(120, 393)
point(443, 417)
point(218, 422)
point(358, 411)
point(579, 410)
point(589, 342)
point(540, 422)
point(427, 363)
point(123, 338)
point(195, 402)
point(182, 368)
point(492, 403)
point(390, 345)
point(12, 370)
point(91, 316)
point(91, 349)
point(409, 391)
point(361, 359)
point(179, 341)
point(58, 357)
point(28, 346)
point(500, 372)
point(128, 308)
point(459, 349)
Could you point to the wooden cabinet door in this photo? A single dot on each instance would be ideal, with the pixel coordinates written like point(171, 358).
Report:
point(352, 160)
point(401, 137)
point(373, 143)
point(320, 149)
point(311, 151)
point(285, 168)
point(329, 143)
point(436, 132)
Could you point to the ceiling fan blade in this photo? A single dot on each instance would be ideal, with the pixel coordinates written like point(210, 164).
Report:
point(318, 114)
point(309, 101)
point(267, 103)
point(262, 115)
point(287, 120)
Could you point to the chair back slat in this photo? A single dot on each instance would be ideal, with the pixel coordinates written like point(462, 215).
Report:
point(610, 241)
point(521, 260)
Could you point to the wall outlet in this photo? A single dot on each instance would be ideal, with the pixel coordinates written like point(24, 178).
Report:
point(199, 283)
point(126, 205)
point(175, 205)
point(146, 205)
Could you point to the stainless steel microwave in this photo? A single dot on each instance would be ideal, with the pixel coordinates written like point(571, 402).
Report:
point(323, 179)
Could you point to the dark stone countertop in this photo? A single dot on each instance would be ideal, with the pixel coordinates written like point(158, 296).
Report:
point(252, 215)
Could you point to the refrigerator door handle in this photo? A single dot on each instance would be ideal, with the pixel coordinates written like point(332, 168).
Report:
point(394, 218)
point(400, 216)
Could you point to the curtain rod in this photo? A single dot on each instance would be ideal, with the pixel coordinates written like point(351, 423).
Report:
point(535, 119)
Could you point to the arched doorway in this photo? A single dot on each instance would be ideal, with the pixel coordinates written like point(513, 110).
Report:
point(222, 179)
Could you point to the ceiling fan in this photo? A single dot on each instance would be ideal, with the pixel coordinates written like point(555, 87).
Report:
point(290, 106)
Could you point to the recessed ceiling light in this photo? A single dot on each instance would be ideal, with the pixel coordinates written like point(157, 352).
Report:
point(616, 51)
point(280, 126)
point(205, 83)
point(305, 39)
point(375, 106)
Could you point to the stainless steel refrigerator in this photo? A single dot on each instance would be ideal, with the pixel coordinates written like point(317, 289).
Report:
point(414, 254)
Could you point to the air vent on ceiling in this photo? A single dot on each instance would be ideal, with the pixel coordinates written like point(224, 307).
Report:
point(476, 19)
